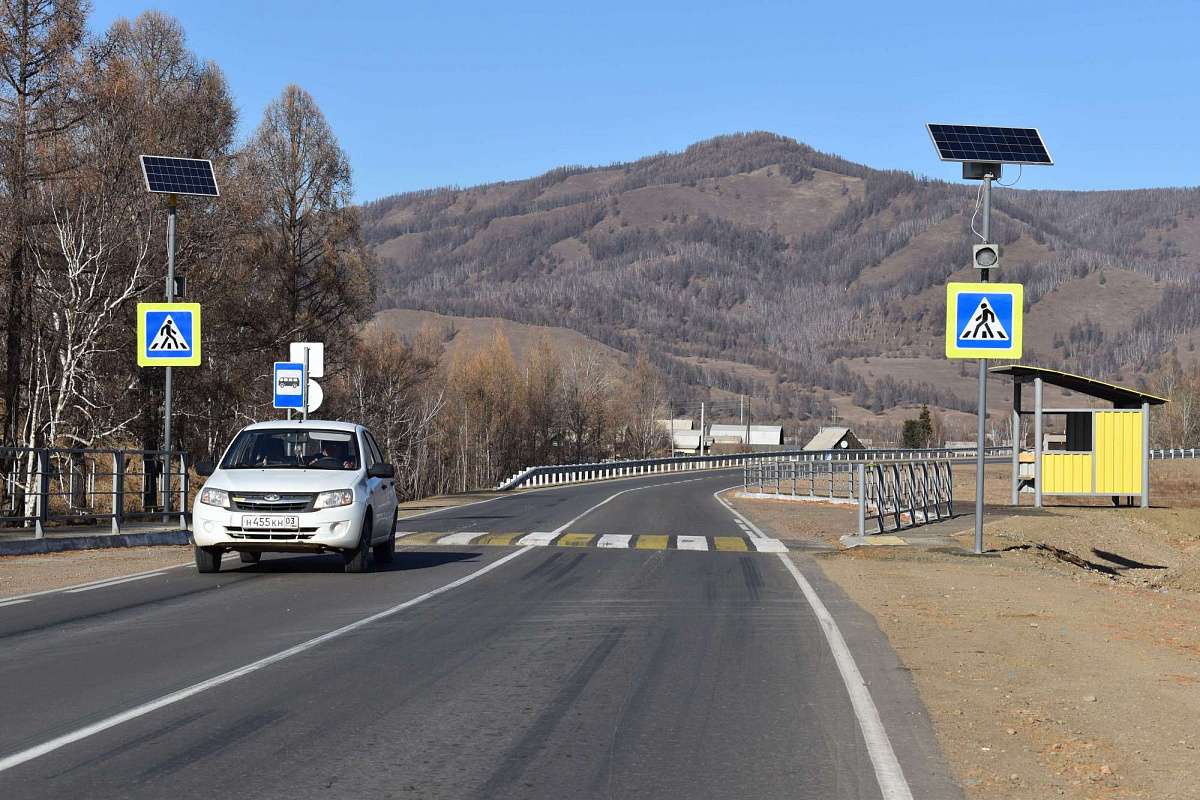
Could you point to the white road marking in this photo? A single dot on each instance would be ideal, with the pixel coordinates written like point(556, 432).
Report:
point(115, 582)
point(618, 540)
point(77, 586)
point(691, 543)
point(402, 534)
point(765, 545)
point(538, 539)
point(889, 775)
point(464, 537)
point(563, 528)
point(20, 757)
point(18, 602)
point(754, 531)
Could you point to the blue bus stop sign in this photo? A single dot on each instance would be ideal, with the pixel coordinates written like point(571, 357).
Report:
point(289, 384)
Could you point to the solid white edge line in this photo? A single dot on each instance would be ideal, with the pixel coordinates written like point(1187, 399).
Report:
point(18, 602)
point(114, 583)
point(75, 586)
point(889, 775)
point(18, 758)
point(737, 514)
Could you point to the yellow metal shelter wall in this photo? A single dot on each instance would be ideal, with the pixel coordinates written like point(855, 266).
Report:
point(1118, 447)
point(1067, 473)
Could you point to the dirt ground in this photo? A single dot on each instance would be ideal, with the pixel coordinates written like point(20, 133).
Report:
point(35, 573)
point(1066, 662)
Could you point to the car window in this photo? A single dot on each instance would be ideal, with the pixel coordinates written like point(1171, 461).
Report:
point(293, 448)
point(374, 448)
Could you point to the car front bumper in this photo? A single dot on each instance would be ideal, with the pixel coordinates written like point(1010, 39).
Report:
point(328, 529)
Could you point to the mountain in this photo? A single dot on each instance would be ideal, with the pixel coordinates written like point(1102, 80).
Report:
point(754, 263)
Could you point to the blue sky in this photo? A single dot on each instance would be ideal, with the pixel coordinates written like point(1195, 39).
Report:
point(429, 94)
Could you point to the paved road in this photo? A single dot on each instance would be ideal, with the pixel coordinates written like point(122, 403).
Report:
point(467, 672)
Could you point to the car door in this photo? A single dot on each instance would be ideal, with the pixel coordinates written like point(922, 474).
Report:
point(383, 495)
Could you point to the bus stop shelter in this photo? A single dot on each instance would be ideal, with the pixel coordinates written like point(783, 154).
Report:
point(1106, 451)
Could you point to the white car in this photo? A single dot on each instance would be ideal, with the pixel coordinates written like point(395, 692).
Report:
point(297, 487)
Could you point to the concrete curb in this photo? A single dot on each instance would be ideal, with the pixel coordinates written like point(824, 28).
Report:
point(22, 547)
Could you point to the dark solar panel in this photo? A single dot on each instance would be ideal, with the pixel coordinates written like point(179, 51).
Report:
point(179, 175)
point(987, 144)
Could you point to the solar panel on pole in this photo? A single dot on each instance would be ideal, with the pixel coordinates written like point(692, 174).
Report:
point(982, 143)
point(169, 175)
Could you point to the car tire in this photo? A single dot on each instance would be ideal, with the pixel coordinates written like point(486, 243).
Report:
point(385, 553)
point(359, 559)
point(208, 559)
point(249, 558)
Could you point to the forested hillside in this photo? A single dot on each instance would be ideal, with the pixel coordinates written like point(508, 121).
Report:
point(754, 252)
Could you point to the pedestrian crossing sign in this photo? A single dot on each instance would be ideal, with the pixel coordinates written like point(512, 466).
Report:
point(984, 320)
point(168, 334)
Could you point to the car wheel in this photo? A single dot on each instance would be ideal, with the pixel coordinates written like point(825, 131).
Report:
point(384, 553)
point(249, 558)
point(359, 559)
point(208, 559)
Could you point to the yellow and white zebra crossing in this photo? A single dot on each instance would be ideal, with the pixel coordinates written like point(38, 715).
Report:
point(605, 541)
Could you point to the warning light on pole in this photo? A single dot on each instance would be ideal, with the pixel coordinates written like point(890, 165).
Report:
point(986, 256)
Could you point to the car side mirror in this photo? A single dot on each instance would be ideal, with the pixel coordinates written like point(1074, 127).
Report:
point(381, 470)
point(205, 468)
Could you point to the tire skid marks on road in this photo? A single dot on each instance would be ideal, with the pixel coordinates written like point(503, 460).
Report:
point(605, 541)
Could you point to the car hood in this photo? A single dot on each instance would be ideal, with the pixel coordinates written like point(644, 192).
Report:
point(283, 480)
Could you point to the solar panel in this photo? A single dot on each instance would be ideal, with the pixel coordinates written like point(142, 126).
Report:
point(179, 175)
point(987, 144)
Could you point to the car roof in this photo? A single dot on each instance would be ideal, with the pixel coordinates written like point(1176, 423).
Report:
point(329, 425)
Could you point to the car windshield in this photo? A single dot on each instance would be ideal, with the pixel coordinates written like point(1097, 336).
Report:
point(293, 448)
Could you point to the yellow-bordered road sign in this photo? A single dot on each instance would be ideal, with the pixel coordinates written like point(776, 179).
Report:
point(168, 334)
point(984, 320)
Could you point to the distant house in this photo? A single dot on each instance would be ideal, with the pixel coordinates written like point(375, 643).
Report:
point(834, 438)
point(736, 434)
point(677, 424)
point(687, 441)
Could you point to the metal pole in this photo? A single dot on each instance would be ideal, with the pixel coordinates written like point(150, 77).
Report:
point(1037, 442)
point(304, 389)
point(1145, 455)
point(701, 427)
point(166, 461)
point(981, 430)
point(1016, 442)
point(862, 499)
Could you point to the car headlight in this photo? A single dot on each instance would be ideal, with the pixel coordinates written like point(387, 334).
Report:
point(215, 497)
point(338, 497)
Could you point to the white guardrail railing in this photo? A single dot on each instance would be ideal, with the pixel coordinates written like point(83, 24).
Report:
point(1175, 452)
point(558, 474)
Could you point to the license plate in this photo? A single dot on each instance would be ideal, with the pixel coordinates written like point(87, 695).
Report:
point(270, 522)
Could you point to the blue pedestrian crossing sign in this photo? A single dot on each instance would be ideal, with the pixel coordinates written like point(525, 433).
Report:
point(168, 334)
point(289, 384)
point(984, 320)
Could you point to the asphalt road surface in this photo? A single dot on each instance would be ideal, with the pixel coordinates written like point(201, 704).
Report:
point(471, 671)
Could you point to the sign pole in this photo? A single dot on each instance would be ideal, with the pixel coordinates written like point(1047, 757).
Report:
point(981, 431)
point(304, 389)
point(166, 488)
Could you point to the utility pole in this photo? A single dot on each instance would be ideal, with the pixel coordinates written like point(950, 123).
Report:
point(701, 427)
point(747, 424)
point(741, 408)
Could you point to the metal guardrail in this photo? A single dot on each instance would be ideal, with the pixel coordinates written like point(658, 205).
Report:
point(41, 486)
point(558, 474)
point(1169, 453)
point(894, 495)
